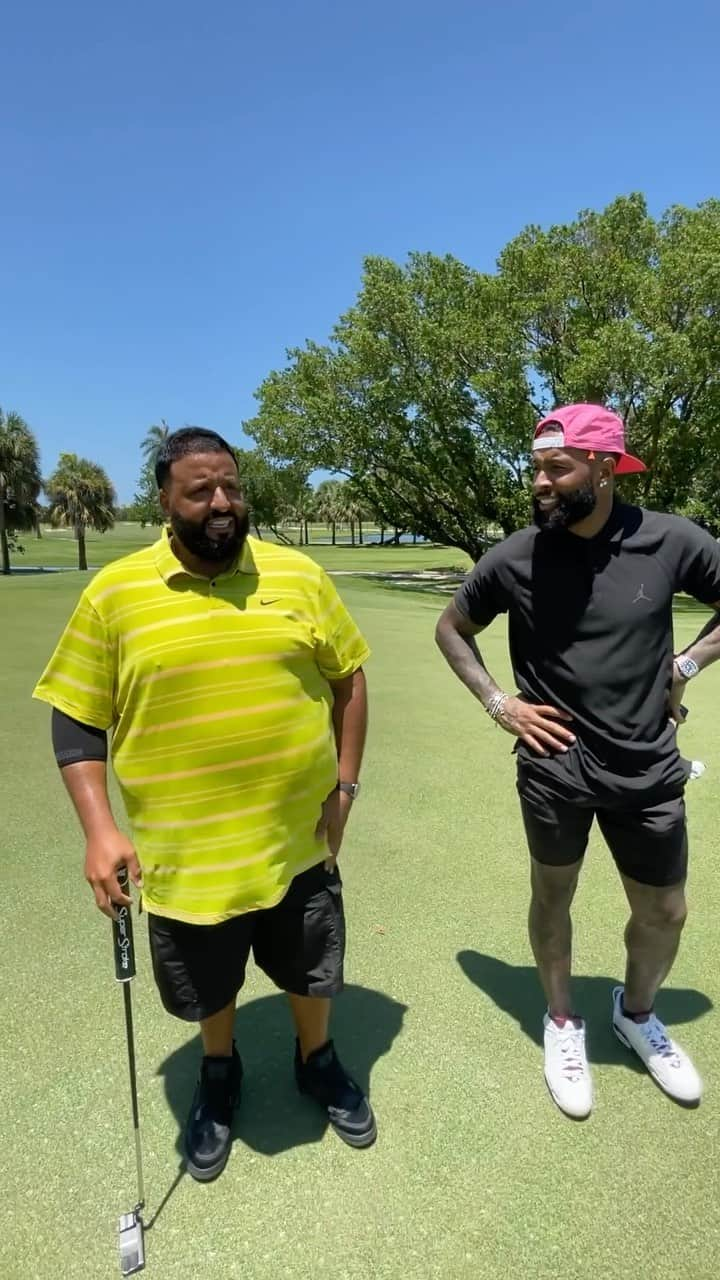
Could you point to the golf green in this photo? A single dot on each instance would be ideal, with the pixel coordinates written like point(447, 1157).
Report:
point(475, 1173)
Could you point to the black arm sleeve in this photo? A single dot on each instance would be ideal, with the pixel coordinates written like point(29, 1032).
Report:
point(73, 741)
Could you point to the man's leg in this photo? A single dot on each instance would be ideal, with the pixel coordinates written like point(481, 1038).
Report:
point(550, 929)
point(300, 944)
point(557, 834)
point(652, 938)
point(312, 1020)
point(196, 968)
point(650, 851)
point(217, 1032)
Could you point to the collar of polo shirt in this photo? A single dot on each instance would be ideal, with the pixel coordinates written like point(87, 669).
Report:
point(170, 567)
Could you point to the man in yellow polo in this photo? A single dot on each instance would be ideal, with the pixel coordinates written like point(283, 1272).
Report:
point(230, 675)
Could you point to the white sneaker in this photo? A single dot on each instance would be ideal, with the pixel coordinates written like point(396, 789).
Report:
point(697, 769)
point(667, 1063)
point(566, 1067)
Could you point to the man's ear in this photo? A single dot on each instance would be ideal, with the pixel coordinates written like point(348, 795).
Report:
point(164, 502)
point(607, 467)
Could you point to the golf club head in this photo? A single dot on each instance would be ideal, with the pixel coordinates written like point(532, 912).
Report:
point(131, 1244)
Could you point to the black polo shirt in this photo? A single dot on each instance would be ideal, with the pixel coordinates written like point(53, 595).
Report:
point(590, 629)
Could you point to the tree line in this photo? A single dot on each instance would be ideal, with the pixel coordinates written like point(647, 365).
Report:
point(422, 402)
point(279, 496)
point(80, 495)
point(426, 393)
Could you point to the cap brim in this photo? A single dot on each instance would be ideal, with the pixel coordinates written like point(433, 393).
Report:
point(628, 465)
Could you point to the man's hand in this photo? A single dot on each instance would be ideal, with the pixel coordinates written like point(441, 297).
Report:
point(541, 728)
point(675, 697)
point(331, 827)
point(104, 855)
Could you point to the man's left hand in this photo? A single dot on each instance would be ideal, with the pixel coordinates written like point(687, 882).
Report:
point(331, 827)
point(675, 697)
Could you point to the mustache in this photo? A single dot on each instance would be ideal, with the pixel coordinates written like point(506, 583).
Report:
point(195, 537)
point(569, 509)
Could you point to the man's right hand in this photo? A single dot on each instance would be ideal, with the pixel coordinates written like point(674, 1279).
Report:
point(541, 728)
point(105, 854)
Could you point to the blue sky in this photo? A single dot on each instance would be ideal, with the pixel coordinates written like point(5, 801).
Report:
point(189, 189)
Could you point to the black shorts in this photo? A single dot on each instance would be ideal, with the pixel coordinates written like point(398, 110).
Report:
point(299, 944)
point(648, 844)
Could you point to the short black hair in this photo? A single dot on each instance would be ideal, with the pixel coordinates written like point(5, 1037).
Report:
point(187, 440)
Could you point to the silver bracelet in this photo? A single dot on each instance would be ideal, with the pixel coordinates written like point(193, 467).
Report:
point(496, 706)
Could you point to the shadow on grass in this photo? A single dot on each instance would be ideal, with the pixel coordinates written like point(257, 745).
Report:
point(26, 570)
point(516, 990)
point(273, 1116)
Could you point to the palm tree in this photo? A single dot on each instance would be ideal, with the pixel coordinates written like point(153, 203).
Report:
point(81, 498)
point(354, 511)
point(20, 481)
point(301, 509)
point(306, 511)
point(328, 504)
point(147, 502)
point(155, 438)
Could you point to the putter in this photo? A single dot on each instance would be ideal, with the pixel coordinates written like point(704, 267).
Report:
point(131, 1240)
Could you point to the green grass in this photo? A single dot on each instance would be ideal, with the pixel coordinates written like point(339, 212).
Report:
point(58, 549)
point(475, 1174)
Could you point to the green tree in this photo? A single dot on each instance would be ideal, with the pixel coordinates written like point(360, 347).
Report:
point(329, 505)
point(271, 491)
point(301, 510)
point(20, 482)
point(81, 498)
point(154, 439)
point(355, 510)
point(146, 503)
point(427, 392)
point(622, 308)
point(397, 403)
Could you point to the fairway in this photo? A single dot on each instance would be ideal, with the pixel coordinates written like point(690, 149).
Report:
point(475, 1173)
point(57, 549)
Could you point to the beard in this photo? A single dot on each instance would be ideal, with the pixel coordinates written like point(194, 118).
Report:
point(569, 509)
point(194, 537)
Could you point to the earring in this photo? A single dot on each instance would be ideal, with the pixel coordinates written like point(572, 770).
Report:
point(603, 484)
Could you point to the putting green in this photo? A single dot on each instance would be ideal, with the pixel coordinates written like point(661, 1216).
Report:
point(475, 1174)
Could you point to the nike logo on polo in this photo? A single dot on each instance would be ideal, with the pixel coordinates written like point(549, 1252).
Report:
point(641, 595)
point(274, 601)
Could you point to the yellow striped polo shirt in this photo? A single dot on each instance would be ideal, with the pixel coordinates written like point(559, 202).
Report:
point(218, 695)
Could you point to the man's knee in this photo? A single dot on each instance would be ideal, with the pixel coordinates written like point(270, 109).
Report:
point(553, 888)
point(660, 908)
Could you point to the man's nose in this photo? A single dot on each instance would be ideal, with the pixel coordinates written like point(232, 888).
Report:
point(220, 500)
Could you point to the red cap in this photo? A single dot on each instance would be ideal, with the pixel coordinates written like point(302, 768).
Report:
point(588, 426)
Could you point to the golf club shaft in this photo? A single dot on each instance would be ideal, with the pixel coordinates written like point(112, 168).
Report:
point(133, 1090)
point(124, 951)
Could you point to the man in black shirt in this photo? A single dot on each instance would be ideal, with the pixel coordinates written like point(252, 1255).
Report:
point(589, 592)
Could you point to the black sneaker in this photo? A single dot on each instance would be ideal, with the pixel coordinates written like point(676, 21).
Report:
point(207, 1134)
point(324, 1078)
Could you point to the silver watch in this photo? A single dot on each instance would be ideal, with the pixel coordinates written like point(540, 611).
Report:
point(687, 666)
point(351, 789)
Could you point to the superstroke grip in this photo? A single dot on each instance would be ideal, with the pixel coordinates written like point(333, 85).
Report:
point(123, 947)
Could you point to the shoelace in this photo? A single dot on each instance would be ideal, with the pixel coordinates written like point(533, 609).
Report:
point(571, 1048)
point(654, 1032)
